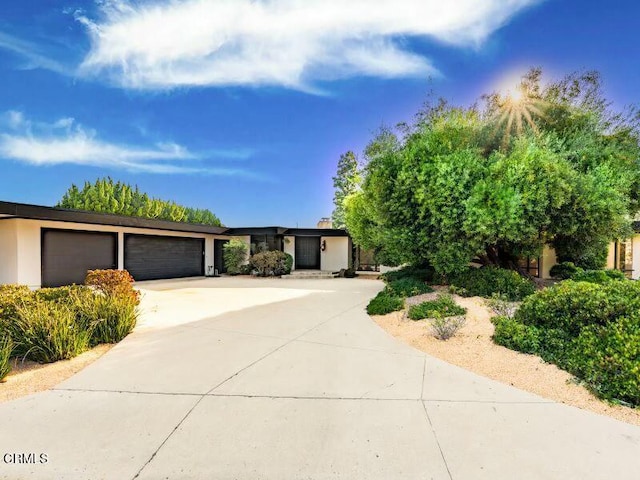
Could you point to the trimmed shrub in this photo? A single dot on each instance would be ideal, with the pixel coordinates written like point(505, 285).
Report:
point(512, 334)
point(444, 328)
point(564, 270)
point(384, 303)
point(443, 306)
point(6, 348)
point(288, 263)
point(235, 255)
point(113, 283)
point(269, 264)
point(48, 331)
point(487, 281)
point(408, 287)
point(598, 276)
point(10, 297)
point(570, 306)
point(424, 273)
point(607, 358)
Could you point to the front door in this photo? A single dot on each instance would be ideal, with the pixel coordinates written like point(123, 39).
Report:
point(307, 253)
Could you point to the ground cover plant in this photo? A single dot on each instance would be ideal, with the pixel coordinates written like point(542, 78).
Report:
point(489, 281)
point(408, 287)
point(54, 324)
point(443, 306)
point(591, 330)
point(385, 302)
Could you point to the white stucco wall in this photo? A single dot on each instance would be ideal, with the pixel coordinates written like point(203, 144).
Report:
point(336, 254)
point(290, 248)
point(636, 257)
point(28, 246)
point(8, 251)
point(547, 260)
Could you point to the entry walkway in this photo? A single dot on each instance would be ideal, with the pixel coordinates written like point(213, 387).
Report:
point(284, 379)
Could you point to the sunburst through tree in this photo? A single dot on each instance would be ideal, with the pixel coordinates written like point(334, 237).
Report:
point(516, 109)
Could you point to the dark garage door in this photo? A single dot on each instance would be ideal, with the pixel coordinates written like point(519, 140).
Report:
point(149, 257)
point(307, 253)
point(68, 254)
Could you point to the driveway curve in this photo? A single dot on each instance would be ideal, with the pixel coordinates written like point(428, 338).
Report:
point(290, 379)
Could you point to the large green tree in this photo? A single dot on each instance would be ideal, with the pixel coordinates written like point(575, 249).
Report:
point(553, 164)
point(345, 182)
point(107, 196)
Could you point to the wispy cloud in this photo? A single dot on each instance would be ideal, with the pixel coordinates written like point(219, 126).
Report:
point(32, 54)
point(65, 141)
point(289, 43)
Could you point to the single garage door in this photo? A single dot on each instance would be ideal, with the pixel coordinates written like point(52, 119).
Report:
point(68, 254)
point(149, 257)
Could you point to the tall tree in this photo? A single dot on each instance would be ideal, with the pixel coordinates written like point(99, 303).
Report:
point(557, 166)
point(107, 196)
point(345, 183)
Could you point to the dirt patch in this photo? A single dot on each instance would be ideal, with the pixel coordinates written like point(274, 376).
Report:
point(473, 349)
point(31, 377)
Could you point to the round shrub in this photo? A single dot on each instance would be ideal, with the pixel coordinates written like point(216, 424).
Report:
point(607, 358)
point(235, 255)
point(385, 303)
point(564, 270)
point(514, 335)
point(443, 306)
point(487, 281)
point(571, 305)
point(408, 287)
point(267, 264)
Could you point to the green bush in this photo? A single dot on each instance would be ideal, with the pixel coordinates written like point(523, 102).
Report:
point(598, 276)
point(235, 255)
point(408, 287)
point(570, 305)
point(487, 281)
point(443, 306)
point(269, 264)
point(288, 263)
point(48, 331)
point(424, 273)
point(6, 348)
point(384, 303)
point(564, 270)
point(607, 358)
point(10, 297)
point(512, 334)
point(109, 318)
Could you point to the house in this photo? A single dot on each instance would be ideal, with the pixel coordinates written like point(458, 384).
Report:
point(45, 247)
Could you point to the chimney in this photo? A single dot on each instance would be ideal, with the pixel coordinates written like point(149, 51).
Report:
point(325, 223)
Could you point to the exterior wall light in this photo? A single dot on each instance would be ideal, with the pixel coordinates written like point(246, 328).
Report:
point(323, 246)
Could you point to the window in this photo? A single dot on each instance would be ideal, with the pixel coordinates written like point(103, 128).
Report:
point(531, 265)
point(266, 243)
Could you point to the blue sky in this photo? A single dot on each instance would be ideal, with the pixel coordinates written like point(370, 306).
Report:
point(244, 107)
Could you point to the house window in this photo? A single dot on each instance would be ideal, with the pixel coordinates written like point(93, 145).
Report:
point(531, 265)
point(624, 257)
point(266, 243)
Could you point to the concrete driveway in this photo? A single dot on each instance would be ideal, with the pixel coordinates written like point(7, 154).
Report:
point(289, 379)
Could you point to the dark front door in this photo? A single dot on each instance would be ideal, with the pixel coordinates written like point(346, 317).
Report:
point(218, 256)
point(307, 253)
point(68, 254)
point(149, 257)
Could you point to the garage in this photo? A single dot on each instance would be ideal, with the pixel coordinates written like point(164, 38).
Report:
point(68, 254)
point(148, 257)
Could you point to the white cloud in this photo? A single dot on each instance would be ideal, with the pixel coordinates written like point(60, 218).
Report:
point(31, 53)
point(290, 43)
point(67, 142)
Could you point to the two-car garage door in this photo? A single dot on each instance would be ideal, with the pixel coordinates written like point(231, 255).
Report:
point(68, 254)
point(149, 257)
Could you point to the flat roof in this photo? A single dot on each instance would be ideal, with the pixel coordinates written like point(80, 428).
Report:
point(10, 210)
point(38, 212)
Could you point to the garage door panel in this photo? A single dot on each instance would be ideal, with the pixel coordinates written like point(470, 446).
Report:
point(149, 257)
point(68, 254)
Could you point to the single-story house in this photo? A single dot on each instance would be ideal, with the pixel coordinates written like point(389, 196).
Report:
point(44, 247)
